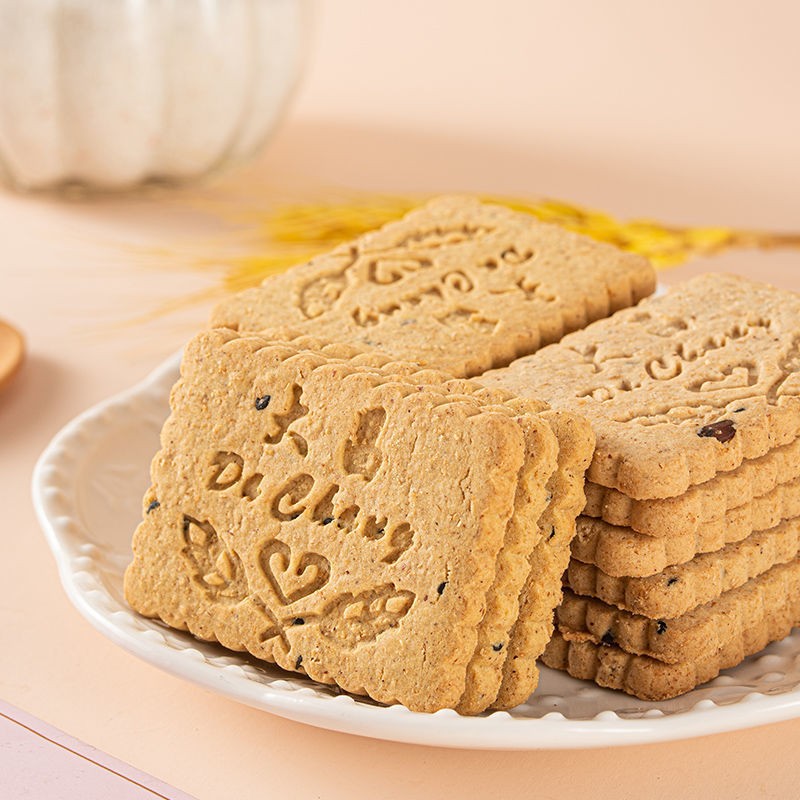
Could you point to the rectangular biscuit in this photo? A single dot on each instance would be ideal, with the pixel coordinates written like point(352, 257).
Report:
point(690, 637)
point(548, 537)
point(532, 614)
point(327, 517)
point(702, 505)
point(622, 551)
point(680, 388)
point(772, 609)
point(500, 632)
point(496, 635)
point(457, 285)
point(540, 596)
point(510, 612)
point(679, 589)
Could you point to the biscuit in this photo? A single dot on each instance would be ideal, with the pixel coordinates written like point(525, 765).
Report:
point(623, 552)
point(458, 285)
point(650, 679)
point(532, 614)
point(333, 520)
point(702, 505)
point(485, 671)
point(681, 387)
point(678, 589)
point(690, 637)
point(556, 528)
point(540, 596)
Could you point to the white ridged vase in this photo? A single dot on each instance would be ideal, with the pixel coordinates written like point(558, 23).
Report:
point(109, 94)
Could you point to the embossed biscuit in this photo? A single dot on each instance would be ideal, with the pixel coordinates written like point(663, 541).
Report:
point(705, 504)
point(531, 615)
point(679, 388)
point(556, 525)
point(328, 518)
point(518, 619)
point(622, 551)
point(457, 285)
point(678, 589)
point(650, 679)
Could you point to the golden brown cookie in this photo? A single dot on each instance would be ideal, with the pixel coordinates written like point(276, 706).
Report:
point(336, 520)
point(680, 388)
point(691, 636)
point(457, 285)
point(623, 552)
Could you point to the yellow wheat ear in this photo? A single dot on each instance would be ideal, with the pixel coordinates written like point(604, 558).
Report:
point(297, 232)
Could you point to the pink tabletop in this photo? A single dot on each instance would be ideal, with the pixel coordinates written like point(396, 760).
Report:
point(685, 112)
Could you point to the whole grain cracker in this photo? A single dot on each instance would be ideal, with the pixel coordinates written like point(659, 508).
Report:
point(456, 284)
point(678, 589)
point(775, 610)
point(681, 387)
point(484, 671)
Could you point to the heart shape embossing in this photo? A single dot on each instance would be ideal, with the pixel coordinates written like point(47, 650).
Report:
point(293, 578)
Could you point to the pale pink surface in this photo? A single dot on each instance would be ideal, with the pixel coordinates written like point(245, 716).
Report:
point(685, 113)
point(38, 760)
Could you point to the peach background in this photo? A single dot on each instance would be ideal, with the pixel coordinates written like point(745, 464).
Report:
point(685, 112)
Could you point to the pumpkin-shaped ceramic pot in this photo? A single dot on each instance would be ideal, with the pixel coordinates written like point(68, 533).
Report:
point(112, 93)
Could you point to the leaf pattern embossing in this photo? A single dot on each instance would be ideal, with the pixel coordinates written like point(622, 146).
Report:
point(352, 620)
point(214, 568)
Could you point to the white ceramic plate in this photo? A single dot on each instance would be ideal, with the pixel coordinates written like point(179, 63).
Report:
point(87, 489)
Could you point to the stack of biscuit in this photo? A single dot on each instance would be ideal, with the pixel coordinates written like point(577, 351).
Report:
point(358, 521)
point(374, 465)
point(687, 556)
point(327, 500)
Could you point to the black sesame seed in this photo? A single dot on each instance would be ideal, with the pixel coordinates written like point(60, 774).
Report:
point(672, 581)
point(153, 506)
point(298, 662)
point(738, 410)
point(263, 402)
point(608, 638)
point(552, 533)
point(327, 520)
point(440, 587)
point(661, 626)
point(497, 647)
point(298, 621)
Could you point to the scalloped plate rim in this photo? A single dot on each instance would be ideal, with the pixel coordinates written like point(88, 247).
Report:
point(345, 714)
